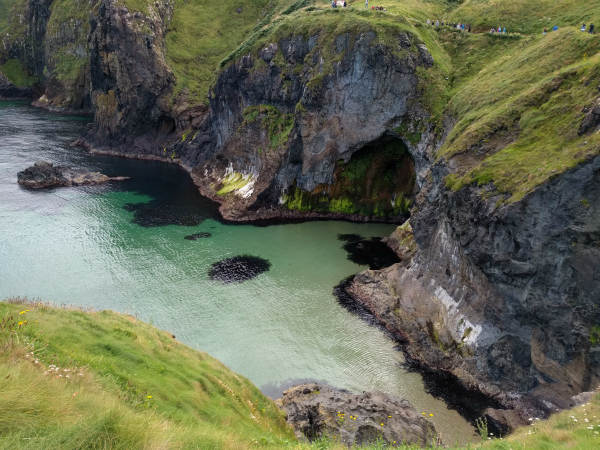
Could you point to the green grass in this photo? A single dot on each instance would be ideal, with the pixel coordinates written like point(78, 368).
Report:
point(5, 7)
point(140, 388)
point(525, 16)
point(15, 72)
point(73, 379)
point(534, 88)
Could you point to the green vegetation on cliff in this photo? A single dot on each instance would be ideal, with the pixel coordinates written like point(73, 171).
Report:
point(377, 181)
point(15, 72)
point(519, 105)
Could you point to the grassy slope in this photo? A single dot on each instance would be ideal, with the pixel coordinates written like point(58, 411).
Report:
point(5, 7)
point(533, 86)
point(121, 383)
point(140, 388)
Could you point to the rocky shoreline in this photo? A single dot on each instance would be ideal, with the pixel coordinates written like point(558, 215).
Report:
point(232, 214)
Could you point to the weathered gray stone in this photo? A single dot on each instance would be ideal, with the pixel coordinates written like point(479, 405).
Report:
point(315, 410)
point(43, 174)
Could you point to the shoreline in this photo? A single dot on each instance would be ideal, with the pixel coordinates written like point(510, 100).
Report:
point(261, 217)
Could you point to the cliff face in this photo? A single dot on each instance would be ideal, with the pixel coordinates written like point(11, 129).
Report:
point(49, 39)
point(505, 299)
point(129, 77)
point(280, 131)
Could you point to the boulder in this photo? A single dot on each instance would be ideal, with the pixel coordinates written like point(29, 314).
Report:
point(315, 410)
point(43, 174)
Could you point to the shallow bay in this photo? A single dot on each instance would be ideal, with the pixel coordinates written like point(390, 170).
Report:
point(122, 246)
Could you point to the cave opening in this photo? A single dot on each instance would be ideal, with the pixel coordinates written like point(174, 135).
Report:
point(377, 181)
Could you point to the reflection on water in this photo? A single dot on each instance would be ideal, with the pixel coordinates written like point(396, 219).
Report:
point(122, 246)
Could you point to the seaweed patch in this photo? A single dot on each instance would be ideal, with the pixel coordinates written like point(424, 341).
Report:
point(238, 269)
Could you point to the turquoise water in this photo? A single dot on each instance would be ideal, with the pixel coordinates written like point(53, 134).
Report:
point(89, 246)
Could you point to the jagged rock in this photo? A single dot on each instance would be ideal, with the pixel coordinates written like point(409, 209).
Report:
point(592, 118)
point(582, 398)
point(402, 241)
point(43, 174)
point(315, 410)
point(505, 299)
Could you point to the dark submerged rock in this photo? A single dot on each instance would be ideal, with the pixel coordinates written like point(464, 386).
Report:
point(196, 236)
point(315, 410)
point(44, 174)
point(158, 215)
point(370, 252)
point(238, 269)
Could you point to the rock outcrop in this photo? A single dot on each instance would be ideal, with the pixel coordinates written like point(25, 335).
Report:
point(504, 298)
point(49, 40)
point(287, 131)
point(43, 174)
point(8, 91)
point(316, 410)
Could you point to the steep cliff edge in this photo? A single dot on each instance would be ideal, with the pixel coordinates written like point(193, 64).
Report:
point(503, 298)
point(291, 128)
point(44, 53)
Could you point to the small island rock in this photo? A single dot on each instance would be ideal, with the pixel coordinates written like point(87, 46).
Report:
point(315, 410)
point(43, 174)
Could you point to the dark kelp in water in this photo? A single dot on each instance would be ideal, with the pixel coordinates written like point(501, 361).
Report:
point(238, 269)
point(368, 252)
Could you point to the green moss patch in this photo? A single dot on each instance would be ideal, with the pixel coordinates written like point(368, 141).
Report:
point(15, 72)
point(279, 125)
point(233, 182)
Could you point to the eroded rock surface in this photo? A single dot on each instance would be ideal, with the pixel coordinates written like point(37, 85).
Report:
point(315, 410)
point(44, 174)
point(504, 298)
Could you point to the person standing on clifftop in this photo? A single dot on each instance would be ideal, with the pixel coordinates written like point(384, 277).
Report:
point(367, 4)
point(591, 28)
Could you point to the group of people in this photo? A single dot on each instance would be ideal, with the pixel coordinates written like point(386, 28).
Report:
point(499, 30)
point(378, 8)
point(460, 26)
point(341, 4)
point(555, 27)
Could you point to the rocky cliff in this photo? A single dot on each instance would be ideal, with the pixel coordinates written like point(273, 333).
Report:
point(291, 130)
point(503, 298)
point(48, 40)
